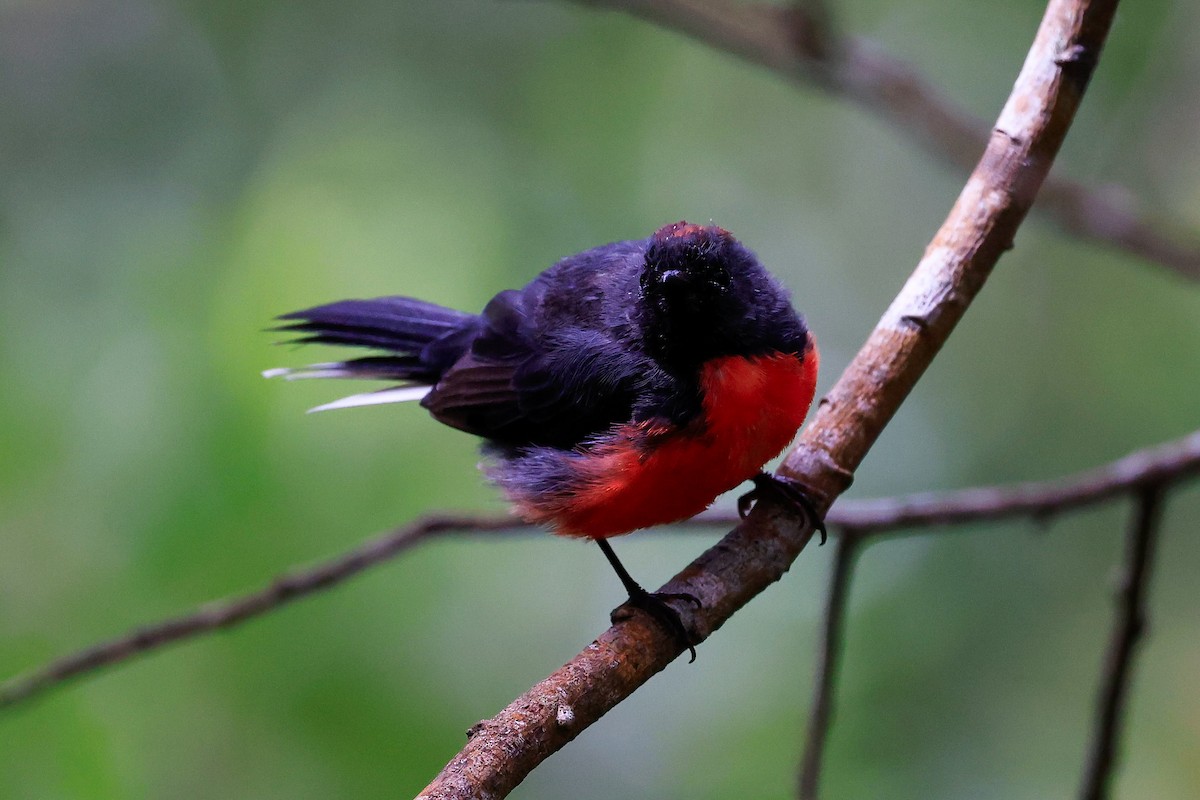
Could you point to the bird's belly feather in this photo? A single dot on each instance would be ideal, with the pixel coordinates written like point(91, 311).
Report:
point(645, 474)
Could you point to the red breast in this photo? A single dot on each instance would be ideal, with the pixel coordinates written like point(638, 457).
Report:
point(645, 474)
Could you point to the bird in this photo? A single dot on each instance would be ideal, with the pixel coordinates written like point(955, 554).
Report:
point(624, 387)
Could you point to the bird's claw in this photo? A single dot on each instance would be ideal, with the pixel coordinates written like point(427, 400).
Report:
point(790, 492)
point(656, 605)
point(745, 503)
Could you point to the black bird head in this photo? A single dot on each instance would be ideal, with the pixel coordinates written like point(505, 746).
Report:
point(705, 295)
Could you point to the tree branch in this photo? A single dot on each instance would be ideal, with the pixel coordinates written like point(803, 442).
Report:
point(1153, 466)
point(503, 750)
point(233, 611)
point(802, 48)
point(1128, 626)
point(820, 716)
point(1162, 465)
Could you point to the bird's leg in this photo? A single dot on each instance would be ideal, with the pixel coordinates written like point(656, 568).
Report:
point(790, 492)
point(653, 603)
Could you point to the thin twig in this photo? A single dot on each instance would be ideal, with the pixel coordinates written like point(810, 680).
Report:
point(1164, 465)
point(832, 634)
point(502, 751)
point(229, 612)
point(1129, 625)
point(782, 40)
point(1152, 466)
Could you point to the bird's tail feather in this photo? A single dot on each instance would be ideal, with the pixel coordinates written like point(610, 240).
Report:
point(421, 340)
point(397, 324)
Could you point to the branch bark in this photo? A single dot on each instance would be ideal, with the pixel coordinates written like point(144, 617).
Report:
point(503, 750)
point(802, 48)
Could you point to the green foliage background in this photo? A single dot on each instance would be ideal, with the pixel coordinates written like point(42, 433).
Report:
point(173, 174)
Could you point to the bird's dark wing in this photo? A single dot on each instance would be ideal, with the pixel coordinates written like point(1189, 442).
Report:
point(518, 385)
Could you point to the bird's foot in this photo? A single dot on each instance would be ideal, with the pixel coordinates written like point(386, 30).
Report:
point(791, 492)
point(657, 606)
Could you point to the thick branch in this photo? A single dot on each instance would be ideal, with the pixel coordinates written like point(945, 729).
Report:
point(800, 47)
point(980, 228)
point(1030, 130)
point(1128, 627)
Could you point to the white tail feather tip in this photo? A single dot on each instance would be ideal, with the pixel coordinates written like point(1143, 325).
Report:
point(400, 394)
point(333, 369)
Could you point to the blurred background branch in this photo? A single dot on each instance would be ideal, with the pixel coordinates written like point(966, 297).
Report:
point(1129, 625)
point(799, 43)
point(833, 626)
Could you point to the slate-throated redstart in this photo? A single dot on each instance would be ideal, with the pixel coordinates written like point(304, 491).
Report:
point(624, 387)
